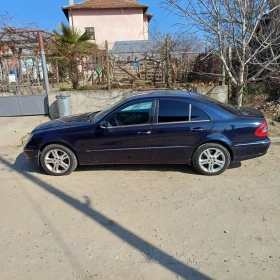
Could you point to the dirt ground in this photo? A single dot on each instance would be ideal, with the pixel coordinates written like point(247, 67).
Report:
point(274, 127)
point(140, 222)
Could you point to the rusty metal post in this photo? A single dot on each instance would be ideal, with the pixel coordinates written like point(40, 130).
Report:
point(108, 64)
point(44, 63)
point(167, 52)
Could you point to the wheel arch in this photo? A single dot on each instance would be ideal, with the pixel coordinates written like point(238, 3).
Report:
point(57, 143)
point(223, 143)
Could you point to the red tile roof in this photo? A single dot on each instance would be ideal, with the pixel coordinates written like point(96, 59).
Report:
point(106, 4)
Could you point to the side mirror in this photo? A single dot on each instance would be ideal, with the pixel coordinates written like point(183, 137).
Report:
point(103, 125)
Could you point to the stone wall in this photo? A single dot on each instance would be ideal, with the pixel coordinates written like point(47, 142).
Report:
point(86, 101)
point(216, 92)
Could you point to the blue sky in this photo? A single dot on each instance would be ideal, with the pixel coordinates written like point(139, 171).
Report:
point(47, 14)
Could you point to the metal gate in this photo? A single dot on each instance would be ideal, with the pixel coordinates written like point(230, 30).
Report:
point(29, 105)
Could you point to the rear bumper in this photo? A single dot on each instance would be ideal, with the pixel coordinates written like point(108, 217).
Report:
point(245, 151)
point(32, 156)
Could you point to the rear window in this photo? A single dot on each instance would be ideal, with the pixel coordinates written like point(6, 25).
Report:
point(229, 108)
point(198, 115)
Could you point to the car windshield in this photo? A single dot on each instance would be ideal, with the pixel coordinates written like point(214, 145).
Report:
point(97, 117)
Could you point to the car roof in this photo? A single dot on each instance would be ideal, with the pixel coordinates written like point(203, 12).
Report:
point(166, 93)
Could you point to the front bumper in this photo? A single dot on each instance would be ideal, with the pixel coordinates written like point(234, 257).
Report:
point(32, 156)
point(251, 150)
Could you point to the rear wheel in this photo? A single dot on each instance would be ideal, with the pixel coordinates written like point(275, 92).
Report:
point(211, 159)
point(58, 160)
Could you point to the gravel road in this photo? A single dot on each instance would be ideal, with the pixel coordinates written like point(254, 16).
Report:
point(140, 222)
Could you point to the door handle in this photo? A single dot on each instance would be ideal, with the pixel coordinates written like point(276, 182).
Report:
point(144, 132)
point(196, 129)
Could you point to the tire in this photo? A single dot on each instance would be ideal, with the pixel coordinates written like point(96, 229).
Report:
point(211, 159)
point(58, 160)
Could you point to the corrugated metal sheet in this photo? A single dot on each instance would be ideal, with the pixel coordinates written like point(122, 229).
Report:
point(136, 46)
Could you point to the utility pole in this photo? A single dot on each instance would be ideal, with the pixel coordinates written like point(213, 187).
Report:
point(167, 52)
point(108, 64)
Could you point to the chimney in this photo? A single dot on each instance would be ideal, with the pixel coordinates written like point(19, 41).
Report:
point(71, 2)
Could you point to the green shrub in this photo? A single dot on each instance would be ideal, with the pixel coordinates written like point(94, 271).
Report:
point(64, 89)
point(277, 118)
point(114, 86)
point(85, 88)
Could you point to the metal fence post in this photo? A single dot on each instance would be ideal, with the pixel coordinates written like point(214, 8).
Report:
point(167, 49)
point(44, 63)
point(108, 64)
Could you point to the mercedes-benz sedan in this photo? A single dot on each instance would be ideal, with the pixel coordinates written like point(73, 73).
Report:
point(152, 127)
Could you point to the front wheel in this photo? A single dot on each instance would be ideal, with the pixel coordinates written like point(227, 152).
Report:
point(58, 160)
point(211, 159)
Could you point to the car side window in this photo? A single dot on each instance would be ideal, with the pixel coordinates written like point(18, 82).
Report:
point(198, 115)
point(173, 111)
point(135, 114)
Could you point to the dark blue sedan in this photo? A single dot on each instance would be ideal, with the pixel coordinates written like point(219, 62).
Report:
point(159, 127)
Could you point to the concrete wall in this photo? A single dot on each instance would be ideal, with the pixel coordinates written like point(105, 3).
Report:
point(95, 100)
point(112, 24)
point(86, 101)
point(218, 92)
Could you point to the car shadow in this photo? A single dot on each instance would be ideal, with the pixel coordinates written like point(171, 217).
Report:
point(236, 164)
point(140, 167)
point(23, 165)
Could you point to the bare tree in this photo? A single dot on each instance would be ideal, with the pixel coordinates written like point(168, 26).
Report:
point(19, 42)
point(250, 28)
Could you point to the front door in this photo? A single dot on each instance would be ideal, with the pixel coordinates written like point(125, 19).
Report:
point(127, 136)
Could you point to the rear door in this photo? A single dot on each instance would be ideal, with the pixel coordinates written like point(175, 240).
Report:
point(179, 127)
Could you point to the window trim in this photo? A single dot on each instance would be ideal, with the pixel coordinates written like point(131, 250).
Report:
point(92, 34)
point(210, 118)
point(190, 111)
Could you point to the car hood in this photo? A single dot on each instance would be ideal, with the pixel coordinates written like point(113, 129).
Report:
point(65, 121)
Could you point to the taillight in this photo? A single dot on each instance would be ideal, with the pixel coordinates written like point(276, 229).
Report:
point(262, 131)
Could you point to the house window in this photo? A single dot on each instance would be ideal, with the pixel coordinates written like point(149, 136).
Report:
point(91, 31)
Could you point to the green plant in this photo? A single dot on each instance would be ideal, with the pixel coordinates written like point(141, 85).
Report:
point(71, 44)
point(85, 88)
point(277, 118)
point(126, 87)
point(114, 86)
point(272, 123)
point(64, 89)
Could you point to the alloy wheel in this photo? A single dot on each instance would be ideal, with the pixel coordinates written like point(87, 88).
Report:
point(57, 161)
point(212, 160)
